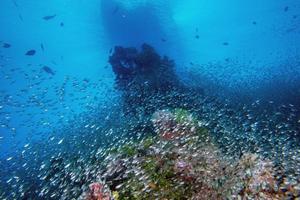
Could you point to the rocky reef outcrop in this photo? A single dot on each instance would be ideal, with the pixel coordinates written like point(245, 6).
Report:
point(145, 77)
point(183, 162)
point(144, 68)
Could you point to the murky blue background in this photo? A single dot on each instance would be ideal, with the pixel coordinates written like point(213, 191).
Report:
point(238, 50)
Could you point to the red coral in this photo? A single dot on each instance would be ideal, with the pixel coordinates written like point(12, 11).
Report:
point(167, 136)
point(185, 170)
point(97, 192)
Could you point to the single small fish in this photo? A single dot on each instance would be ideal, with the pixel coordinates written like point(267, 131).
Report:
point(20, 17)
point(8, 159)
point(48, 17)
point(163, 40)
point(60, 141)
point(62, 24)
point(197, 36)
point(291, 29)
point(30, 52)
point(286, 9)
point(48, 70)
point(6, 45)
point(254, 22)
point(225, 43)
point(42, 47)
point(115, 10)
point(15, 3)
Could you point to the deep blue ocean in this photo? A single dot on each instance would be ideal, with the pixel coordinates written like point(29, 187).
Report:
point(236, 67)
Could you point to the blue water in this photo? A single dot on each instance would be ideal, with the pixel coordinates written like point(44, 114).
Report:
point(238, 52)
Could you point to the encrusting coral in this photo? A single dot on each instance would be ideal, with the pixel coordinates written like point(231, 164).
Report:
point(97, 191)
point(183, 162)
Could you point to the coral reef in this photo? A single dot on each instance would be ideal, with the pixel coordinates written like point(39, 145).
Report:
point(183, 162)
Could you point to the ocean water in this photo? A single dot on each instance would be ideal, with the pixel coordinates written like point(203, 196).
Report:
point(81, 120)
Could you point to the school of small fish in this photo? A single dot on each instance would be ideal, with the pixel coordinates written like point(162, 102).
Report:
point(70, 128)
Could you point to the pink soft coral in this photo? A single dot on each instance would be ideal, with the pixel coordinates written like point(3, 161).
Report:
point(97, 192)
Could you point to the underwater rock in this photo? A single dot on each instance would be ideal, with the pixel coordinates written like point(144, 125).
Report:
point(144, 77)
point(146, 66)
point(123, 62)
